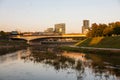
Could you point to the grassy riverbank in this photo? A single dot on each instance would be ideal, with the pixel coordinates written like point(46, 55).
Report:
point(7, 46)
point(92, 51)
point(101, 42)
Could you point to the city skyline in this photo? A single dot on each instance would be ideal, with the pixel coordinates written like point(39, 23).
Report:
point(37, 15)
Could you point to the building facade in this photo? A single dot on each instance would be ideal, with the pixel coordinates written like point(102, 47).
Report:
point(49, 30)
point(85, 27)
point(60, 28)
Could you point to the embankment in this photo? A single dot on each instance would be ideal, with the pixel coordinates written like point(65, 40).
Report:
point(101, 42)
point(91, 50)
point(99, 45)
point(11, 46)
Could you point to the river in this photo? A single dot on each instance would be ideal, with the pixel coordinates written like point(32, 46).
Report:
point(45, 63)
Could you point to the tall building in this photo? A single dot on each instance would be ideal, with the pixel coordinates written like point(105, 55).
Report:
point(85, 27)
point(60, 28)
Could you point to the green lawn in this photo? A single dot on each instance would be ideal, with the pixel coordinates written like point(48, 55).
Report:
point(101, 42)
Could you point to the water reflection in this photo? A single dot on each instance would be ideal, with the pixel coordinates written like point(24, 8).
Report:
point(11, 57)
point(105, 64)
point(91, 65)
point(77, 66)
point(48, 57)
point(75, 55)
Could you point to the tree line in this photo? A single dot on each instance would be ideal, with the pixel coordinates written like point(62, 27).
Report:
point(4, 35)
point(98, 30)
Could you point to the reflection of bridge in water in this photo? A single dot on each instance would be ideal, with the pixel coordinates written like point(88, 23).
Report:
point(56, 39)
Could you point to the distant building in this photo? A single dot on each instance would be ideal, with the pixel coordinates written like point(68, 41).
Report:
point(15, 33)
point(49, 30)
point(85, 27)
point(60, 28)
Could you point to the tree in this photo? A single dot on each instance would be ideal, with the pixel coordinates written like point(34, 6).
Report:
point(94, 30)
point(3, 35)
point(89, 34)
point(108, 31)
point(97, 30)
point(116, 29)
point(104, 29)
point(100, 29)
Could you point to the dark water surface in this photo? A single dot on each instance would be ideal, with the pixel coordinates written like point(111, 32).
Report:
point(43, 63)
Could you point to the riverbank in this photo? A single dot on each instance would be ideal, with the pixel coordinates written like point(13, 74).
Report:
point(7, 46)
point(101, 42)
point(101, 51)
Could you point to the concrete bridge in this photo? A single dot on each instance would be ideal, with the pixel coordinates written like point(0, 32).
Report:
point(32, 37)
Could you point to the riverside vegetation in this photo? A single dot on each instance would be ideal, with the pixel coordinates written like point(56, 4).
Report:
point(7, 45)
point(104, 36)
point(11, 46)
point(101, 42)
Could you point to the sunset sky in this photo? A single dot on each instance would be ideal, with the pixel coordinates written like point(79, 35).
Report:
point(37, 15)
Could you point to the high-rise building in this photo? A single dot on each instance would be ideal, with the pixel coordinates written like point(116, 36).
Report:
point(60, 28)
point(85, 27)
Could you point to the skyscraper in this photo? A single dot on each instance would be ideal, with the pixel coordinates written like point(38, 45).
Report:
point(60, 28)
point(85, 27)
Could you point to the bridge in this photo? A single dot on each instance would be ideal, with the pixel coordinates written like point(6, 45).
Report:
point(33, 37)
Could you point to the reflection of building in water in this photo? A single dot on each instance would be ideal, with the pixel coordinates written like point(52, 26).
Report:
point(19, 56)
point(28, 52)
point(80, 59)
point(74, 55)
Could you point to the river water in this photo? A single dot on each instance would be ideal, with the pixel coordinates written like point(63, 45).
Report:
point(44, 63)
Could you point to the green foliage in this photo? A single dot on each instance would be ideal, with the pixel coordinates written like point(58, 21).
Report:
point(117, 28)
point(98, 30)
point(108, 31)
point(3, 35)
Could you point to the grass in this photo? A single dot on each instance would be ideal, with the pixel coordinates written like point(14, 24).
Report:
point(7, 42)
point(101, 42)
point(7, 46)
point(92, 51)
point(4, 51)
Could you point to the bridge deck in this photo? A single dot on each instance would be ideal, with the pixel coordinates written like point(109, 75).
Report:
point(60, 36)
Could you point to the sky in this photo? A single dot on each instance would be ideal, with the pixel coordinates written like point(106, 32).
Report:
point(37, 15)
